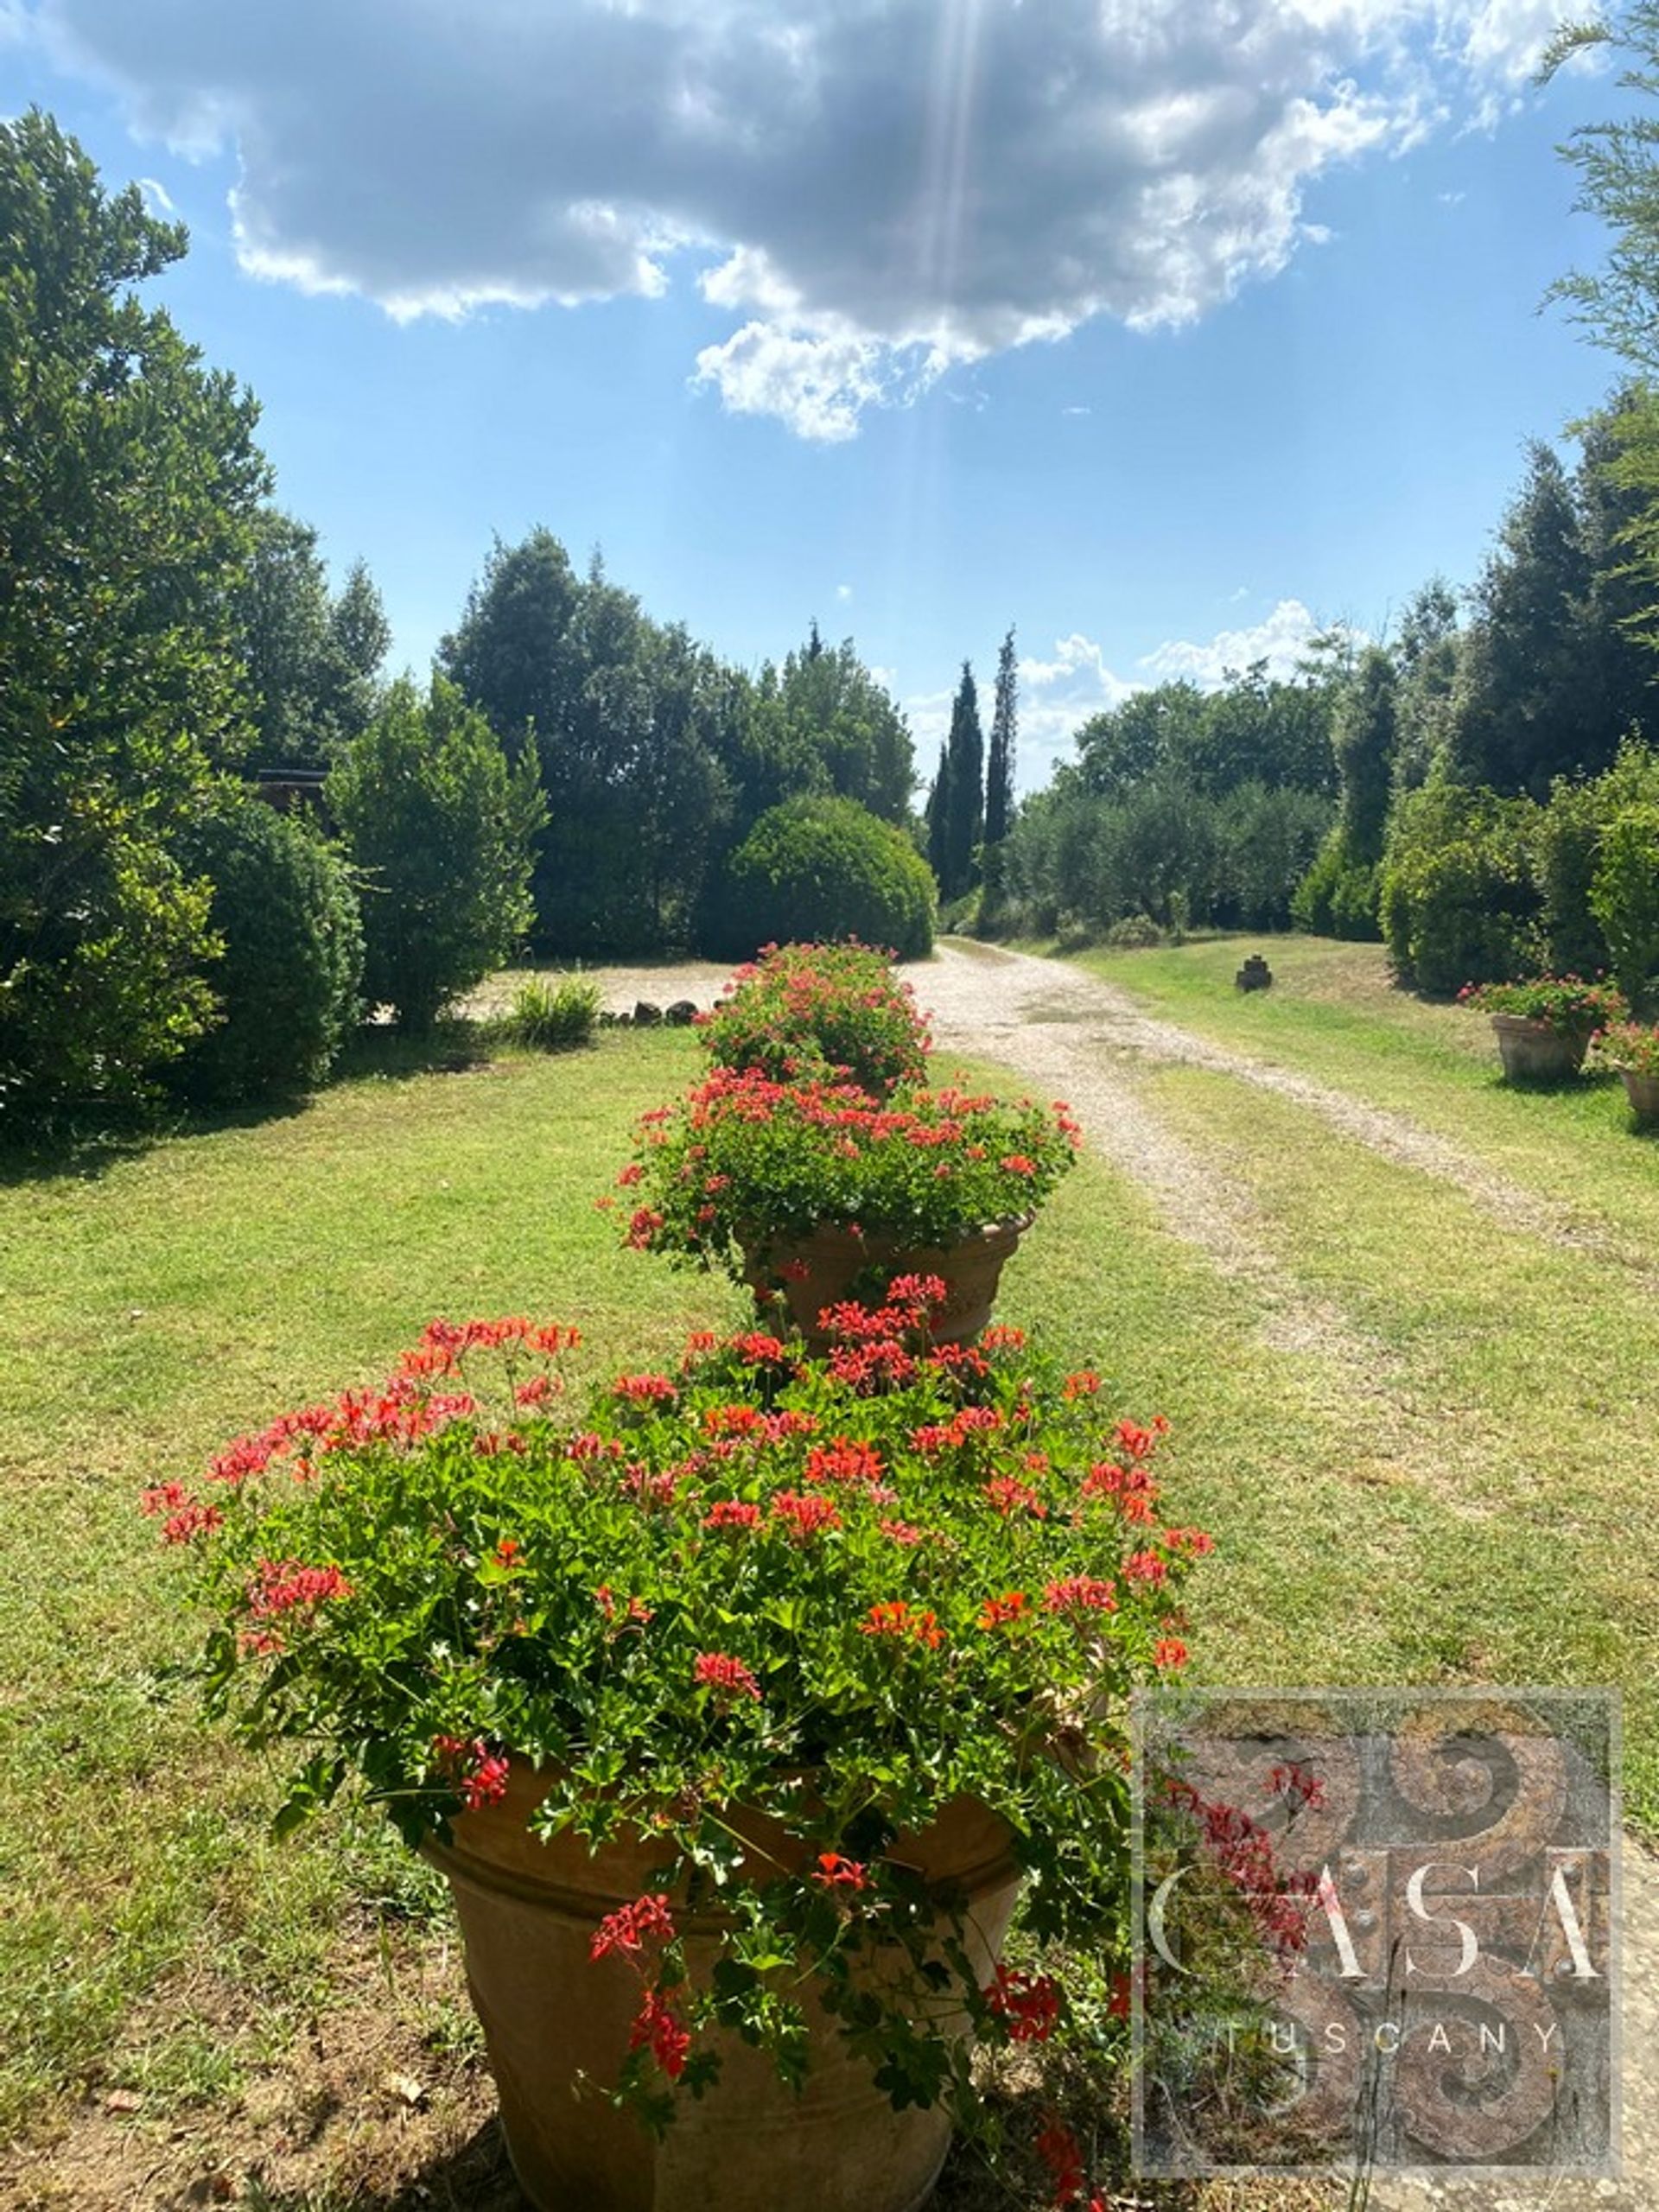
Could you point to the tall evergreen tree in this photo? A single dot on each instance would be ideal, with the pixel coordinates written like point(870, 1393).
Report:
point(964, 808)
point(1530, 704)
point(1363, 737)
point(938, 817)
point(1005, 731)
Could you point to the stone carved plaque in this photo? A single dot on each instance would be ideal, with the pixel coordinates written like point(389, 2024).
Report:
point(1376, 1928)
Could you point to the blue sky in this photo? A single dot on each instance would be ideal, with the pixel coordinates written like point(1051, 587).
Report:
point(1161, 328)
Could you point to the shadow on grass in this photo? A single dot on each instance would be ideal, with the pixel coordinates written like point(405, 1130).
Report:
point(83, 1147)
point(477, 2177)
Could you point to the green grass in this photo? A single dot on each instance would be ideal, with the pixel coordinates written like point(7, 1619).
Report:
point(1458, 1502)
point(1333, 1014)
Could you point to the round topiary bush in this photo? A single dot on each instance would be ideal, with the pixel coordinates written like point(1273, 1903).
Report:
point(826, 869)
point(286, 909)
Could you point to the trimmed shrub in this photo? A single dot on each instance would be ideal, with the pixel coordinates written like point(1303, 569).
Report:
point(1625, 896)
point(1338, 896)
point(551, 1013)
point(826, 869)
point(1569, 837)
point(443, 828)
point(807, 1009)
point(1458, 902)
point(286, 909)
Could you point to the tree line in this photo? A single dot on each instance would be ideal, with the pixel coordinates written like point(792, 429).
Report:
point(576, 775)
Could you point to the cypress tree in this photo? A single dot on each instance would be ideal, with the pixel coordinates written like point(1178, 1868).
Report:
point(964, 810)
point(998, 773)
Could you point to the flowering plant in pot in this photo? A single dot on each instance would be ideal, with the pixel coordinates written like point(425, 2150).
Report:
point(1544, 1024)
point(735, 1702)
point(812, 1188)
point(1634, 1051)
point(820, 1010)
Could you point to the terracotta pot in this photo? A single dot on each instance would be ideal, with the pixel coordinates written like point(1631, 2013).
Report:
point(556, 2024)
point(1535, 1052)
point(1643, 1091)
point(834, 1259)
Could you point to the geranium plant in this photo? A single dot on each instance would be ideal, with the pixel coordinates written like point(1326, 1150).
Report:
point(1628, 1045)
point(843, 1593)
point(744, 1165)
point(1566, 1003)
point(823, 1011)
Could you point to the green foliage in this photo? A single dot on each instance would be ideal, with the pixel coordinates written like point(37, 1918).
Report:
point(819, 1010)
point(286, 988)
point(1264, 839)
point(657, 759)
point(549, 1013)
point(1618, 164)
point(1134, 933)
point(671, 1635)
point(826, 867)
point(1530, 701)
point(1337, 897)
point(1005, 739)
point(442, 829)
point(1426, 654)
point(1458, 901)
point(956, 808)
point(742, 1163)
point(827, 714)
point(128, 481)
point(313, 658)
point(1363, 737)
point(1573, 832)
point(1625, 896)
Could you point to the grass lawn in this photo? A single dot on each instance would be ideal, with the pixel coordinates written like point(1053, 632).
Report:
point(181, 1998)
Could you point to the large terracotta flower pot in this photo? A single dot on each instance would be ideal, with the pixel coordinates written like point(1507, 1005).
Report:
point(1643, 1091)
point(1537, 1051)
point(557, 2023)
point(820, 1269)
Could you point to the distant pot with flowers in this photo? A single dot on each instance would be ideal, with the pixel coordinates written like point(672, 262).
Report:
point(735, 1702)
point(1634, 1051)
point(821, 1192)
point(1544, 1026)
point(833, 1011)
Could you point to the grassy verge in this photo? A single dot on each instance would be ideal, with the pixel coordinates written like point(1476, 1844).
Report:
point(1333, 1014)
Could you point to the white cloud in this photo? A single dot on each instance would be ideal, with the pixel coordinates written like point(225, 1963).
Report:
point(843, 591)
point(156, 196)
point(874, 194)
point(1281, 640)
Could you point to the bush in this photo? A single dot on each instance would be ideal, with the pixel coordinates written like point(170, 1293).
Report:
point(1264, 839)
point(1338, 895)
point(1459, 903)
point(808, 1009)
point(284, 905)
point(443, 828)
point(1625, 896)
point(1134, 933)
point(826, 867)
point(549, 1013)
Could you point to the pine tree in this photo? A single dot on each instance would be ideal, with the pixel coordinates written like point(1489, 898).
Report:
point(1005, 729)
